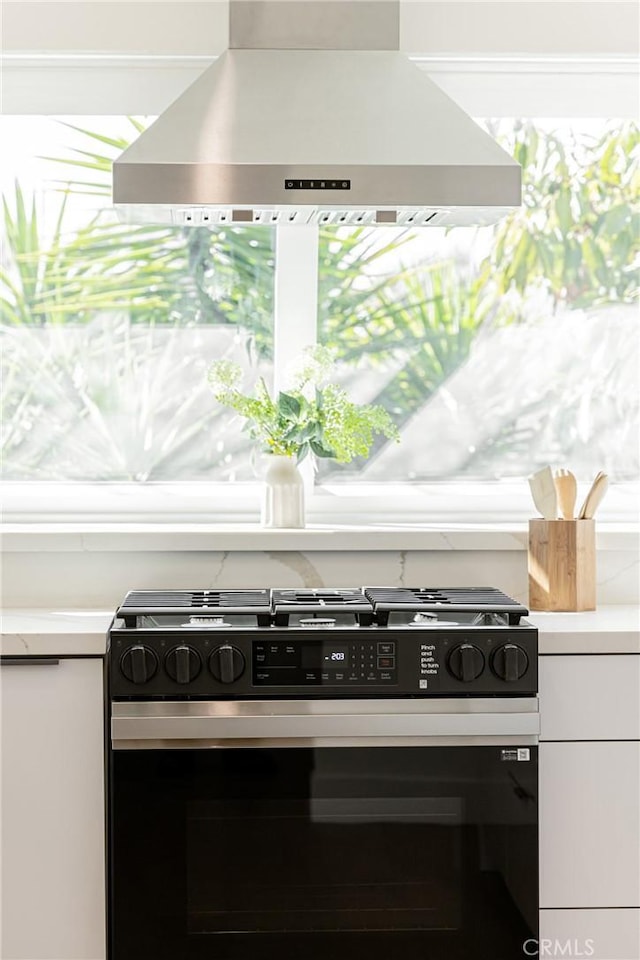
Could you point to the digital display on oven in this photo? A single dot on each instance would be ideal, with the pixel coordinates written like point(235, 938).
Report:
point(329, 656)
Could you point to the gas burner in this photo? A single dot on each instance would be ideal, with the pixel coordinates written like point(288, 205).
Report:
point(448, 600)
point(422, 619)
point(490, 620)
point(431, 620)
point(321, 601)
point(317, 623)
point(205, 623)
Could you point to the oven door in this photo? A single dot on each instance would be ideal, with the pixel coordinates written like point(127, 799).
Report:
point(315, 830)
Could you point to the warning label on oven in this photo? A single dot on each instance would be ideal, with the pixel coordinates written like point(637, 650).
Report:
point(429, 665)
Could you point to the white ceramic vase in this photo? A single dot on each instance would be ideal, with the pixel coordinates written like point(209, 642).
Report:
point(283, 494)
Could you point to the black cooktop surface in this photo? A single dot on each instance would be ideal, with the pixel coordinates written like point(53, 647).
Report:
point(326, 606)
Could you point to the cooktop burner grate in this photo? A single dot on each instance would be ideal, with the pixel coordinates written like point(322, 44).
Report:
point(364, 606)
point(321, 601)
point(211, 602)
point(444, 599)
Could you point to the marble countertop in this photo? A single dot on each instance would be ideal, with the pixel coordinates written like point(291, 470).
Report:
point(45, 632)
point(611, 629)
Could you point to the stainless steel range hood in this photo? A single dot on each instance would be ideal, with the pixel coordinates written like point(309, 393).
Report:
point(294, 134)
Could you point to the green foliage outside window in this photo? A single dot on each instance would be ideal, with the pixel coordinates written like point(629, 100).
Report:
point(576, 239)
point(578, 232)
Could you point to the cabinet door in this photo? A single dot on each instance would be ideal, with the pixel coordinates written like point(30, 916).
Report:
point(53, 870)
point(590, 697)
point(590, 824)
point(598, 934)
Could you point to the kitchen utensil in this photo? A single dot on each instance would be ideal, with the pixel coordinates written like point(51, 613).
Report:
point(543, 491)
point(567, 491)
point(594, 497)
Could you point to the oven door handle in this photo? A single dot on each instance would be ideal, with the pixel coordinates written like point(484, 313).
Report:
point(317, 723)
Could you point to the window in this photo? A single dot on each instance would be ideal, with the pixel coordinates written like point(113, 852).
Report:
point(497, 350)
point(108, 329)
point(502, 349)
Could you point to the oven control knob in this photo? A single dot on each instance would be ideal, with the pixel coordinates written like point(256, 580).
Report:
point(509, 662)
point(466, 662)
point(183, 663)
point(138, 664)
point(226, 663)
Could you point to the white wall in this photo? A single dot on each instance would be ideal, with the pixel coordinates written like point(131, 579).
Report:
point(184, 28)
point(520, 27)
point(187, 28)
point(575, 57)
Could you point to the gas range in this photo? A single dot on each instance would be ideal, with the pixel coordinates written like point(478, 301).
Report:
point(323, 643)
point(323, 737)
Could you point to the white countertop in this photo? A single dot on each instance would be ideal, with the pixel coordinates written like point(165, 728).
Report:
point(40, 633)
point(611, 629)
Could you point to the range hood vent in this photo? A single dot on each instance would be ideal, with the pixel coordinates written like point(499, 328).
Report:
point(329, 136)
point(210, 216)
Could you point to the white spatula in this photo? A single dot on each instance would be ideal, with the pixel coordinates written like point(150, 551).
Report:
point(543, 491)
point(594, 497)
point(567, 491)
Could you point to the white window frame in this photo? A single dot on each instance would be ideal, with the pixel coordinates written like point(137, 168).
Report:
point(295, 326)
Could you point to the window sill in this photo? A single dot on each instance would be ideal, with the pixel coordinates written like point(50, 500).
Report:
point(439, 506)
point(217, 538)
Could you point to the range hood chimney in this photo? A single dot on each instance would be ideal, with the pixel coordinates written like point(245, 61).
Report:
point(314, 116)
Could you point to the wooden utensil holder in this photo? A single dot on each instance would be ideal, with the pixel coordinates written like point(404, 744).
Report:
point(562, 565)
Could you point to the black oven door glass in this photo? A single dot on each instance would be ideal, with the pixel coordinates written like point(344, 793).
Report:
point(419, 853)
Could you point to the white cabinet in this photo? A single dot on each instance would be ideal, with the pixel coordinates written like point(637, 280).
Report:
point(590, 824)
point(590, 807)
point(52, 794)
point(597, 934)
point(590, 793)
point(590, 697)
